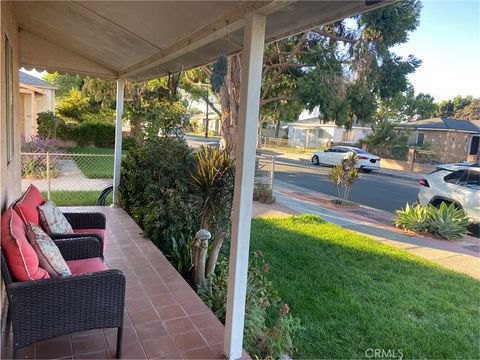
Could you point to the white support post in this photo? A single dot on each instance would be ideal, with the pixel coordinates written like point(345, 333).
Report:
point(251, 80)
point(118, 140)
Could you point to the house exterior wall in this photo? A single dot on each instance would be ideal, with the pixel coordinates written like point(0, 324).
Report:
point(320, 135)
point(9, 174)
point(454, 143)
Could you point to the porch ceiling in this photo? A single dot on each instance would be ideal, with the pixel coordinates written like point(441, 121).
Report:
point(141, 40)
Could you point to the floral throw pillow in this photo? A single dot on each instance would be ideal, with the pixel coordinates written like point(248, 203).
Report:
point(49, 255)
point(52, 220)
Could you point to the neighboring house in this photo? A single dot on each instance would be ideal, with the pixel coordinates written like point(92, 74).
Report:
point(457, 138)
point(269, 130)
point(214, 122)
point(312, 132)
point(36, 95)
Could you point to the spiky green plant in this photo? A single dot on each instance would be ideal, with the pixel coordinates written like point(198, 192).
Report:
point(413, 217)
point(447, 221)
point(344, 175)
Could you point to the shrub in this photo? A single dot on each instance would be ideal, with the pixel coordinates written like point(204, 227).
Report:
point(155, 189)
point(73, 106)
point(260, 340)
point(46, 124)
point(344, 175)
point(447, 221)
point(412, 218)
point(263, 194)
point(100, 134)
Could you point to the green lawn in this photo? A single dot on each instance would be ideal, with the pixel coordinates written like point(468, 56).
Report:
point(76, 198)
point(353, 294)
point(94, 167)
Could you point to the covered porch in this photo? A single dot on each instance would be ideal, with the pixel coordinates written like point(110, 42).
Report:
point(138, 41)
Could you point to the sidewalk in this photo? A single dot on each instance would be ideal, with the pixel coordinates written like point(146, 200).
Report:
point(305, 157)
point(461, 256)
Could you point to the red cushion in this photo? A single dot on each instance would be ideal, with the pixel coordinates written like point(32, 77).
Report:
point(21, 258)
point(27, 206)
point(86, 265)
point(100, 232)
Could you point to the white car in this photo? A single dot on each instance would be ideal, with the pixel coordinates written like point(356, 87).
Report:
point(453, 183)
point(334, 156)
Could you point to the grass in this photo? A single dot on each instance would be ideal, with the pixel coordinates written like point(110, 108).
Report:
point(353, 293)
point(76, 198)
point(94, 167)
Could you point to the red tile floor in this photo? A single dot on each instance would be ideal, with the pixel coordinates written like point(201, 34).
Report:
point(164, 317)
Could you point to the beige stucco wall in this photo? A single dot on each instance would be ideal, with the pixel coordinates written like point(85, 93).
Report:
point(9, 174)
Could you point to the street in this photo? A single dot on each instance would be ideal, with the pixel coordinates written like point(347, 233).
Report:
point(376, 191)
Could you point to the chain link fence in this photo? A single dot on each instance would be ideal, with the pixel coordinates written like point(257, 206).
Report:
point(294, 144)
point(68, 179)
point(264, 170)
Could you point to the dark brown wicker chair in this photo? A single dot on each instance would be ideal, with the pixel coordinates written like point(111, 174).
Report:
point(42, 309)
point(84, 220)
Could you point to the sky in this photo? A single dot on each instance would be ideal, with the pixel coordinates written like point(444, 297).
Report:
point(448, 43)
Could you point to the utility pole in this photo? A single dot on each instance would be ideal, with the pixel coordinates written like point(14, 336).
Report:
point(206, 118)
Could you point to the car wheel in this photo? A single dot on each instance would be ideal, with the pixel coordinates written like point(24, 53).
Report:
point(367, 171)
point(315, 160)
point(438, 202)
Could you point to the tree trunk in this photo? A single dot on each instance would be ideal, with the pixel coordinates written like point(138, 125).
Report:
point(200, 248)
point(230, 102)
point(217, 245)
point(277, 129)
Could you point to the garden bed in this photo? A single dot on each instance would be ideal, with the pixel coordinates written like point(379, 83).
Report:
point(353, 294)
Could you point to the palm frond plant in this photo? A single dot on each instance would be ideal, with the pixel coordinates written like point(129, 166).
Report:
point(212, 185)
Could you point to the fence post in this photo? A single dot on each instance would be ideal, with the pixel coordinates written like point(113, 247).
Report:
point(272, 173)
point(48, 175)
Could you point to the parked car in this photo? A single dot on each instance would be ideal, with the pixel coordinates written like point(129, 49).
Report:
point(453, 183)
point(333, 156)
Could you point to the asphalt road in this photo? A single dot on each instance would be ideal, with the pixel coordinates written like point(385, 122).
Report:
point(377, 191)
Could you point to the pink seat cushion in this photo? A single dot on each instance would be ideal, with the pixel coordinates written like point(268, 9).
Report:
point(86, 265)
point(22, 260)
point(100, 232)
point(27, 206)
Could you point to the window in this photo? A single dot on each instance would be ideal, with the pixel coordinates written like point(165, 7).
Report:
point(471, 179)
point(9, 99)
point(420, 137)
point(474, 145)
point(454, 177)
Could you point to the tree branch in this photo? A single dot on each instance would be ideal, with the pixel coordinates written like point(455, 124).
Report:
point(335, 37)
point(274, 99)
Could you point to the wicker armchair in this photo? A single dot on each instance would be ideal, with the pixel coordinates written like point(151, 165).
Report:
point(42, 309)
point(84, 220)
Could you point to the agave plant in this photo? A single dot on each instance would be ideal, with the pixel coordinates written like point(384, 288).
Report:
point(447, 221)
point(413, 217)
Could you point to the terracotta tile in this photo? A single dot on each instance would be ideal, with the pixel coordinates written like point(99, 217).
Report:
point(53, 349)
point(101, 354)
point(151, 330)
point(129, 336)
point(213, 335)
point(143, 316)
point(159, 347)
point(170, 312)
point(189, 340)
point(133, 352)
point(157, 290)
point(137, 305)
point(180, 325)
point(201, 353)
point(204, 320)
point(163, 300)
point(83, 343)
point(218, 350)
point(195, 307)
